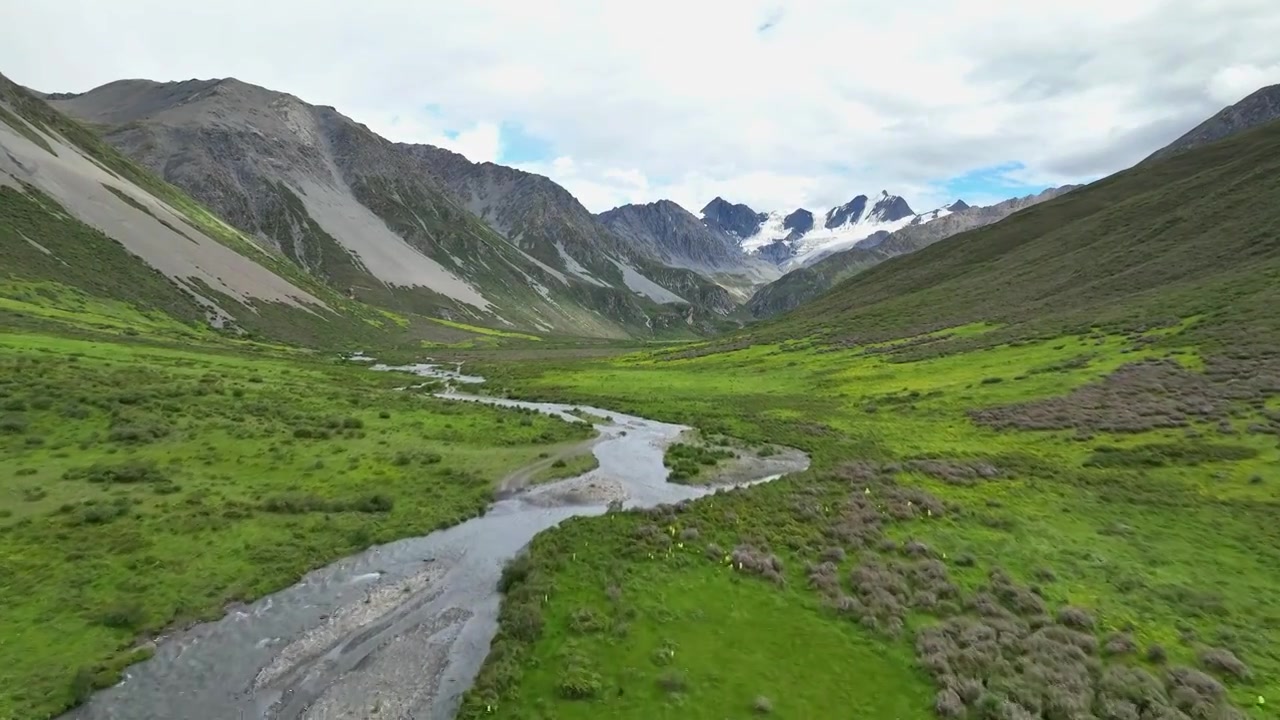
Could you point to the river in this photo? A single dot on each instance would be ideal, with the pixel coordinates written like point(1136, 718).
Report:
point(399, 630)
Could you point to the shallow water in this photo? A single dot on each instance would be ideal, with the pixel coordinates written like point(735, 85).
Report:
point(397, 631)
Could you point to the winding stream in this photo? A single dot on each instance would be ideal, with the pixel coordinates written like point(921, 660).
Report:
point(399, 630)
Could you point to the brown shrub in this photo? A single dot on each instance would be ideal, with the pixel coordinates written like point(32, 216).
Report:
point(1224, 662)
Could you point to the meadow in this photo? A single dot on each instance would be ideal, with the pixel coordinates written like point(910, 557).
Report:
point(149, 485)
point(1070, 527)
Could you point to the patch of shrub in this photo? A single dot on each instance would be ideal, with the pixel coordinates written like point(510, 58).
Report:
point(673, 681)
point(302, 503)
point(514, 572)
point(1119, 644)
point(138, 434)
point(1224, 662)
point(12, 425)
point(586, 621)
point(748, 559)
point(1074, 617)
point(126, 473)
point(578, 682)
point(1164, 454)
point(124, 615)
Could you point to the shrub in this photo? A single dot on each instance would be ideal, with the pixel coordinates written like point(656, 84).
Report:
point(1074, 617)
point(126, 473)
point(947, 704)
point(138, 434)
point(514, 572)
point(125, 615)
point(352, 423)
point(12, 425)
point(1119, 644)
point(524, 622)
point(375, 503)
point(673, 681)
point(1157, 654)
point(1224, 662)
point(576, 682)
point(586, 621)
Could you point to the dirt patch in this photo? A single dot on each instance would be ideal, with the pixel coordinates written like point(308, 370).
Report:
point(592, 489)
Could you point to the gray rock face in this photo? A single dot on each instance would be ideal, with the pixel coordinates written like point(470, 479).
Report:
point(802, 285)
point(885, 208)
point(800, 221)
point(672, 234)
point(1259, 108)
point(411, 227)
point(850, 212)
point(738, 220)
point(915, 237)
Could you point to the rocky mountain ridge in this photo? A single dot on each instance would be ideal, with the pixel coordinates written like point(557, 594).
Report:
point(408, 227)
point(806, 283)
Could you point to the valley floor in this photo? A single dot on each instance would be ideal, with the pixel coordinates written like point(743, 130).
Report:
point(147, 486)
point(1074, 527)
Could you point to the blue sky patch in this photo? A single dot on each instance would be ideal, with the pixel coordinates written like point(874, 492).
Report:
point(518, 146)
point(988, 182)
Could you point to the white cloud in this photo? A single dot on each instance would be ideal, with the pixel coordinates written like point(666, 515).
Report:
point(481, 142)
point(1232, 83)
point(688, 100)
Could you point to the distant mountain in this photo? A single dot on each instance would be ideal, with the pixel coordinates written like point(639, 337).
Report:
point(409, 227)
point(1191, 237)
point(793, 240)
point(806, 283)
point(1259, 108)
point(675, 237)
point(737, 220)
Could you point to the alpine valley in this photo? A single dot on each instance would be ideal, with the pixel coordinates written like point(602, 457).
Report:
point(300, 422)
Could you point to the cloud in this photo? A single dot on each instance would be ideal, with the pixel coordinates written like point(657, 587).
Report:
point(776, 104)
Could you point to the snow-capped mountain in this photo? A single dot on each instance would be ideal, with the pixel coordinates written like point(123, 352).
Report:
point(795, 240)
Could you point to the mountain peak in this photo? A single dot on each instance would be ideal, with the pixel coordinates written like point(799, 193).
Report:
point(800, 221)
point(957, 206)
point(736, 219)
point(1258, 108)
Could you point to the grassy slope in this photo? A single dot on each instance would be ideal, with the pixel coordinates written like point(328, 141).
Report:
point(1169, 539)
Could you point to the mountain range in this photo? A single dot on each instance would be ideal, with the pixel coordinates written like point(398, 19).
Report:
point(794, 239)
point(255, 203)
point(413, 228)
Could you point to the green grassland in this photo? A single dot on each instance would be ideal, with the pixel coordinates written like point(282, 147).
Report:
point(1170, 547)
point(144, 486)
point(1044, 484)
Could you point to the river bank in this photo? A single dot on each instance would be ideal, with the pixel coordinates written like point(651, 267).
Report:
point(399, 630)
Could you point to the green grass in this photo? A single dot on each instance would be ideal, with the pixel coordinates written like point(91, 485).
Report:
point(686, 461)
point(674, 637)
point(1167, 535)
point(568, 467)
point(147, 486)
point(486, 331)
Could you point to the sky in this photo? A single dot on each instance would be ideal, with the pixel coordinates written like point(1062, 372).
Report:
point(770, 103)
